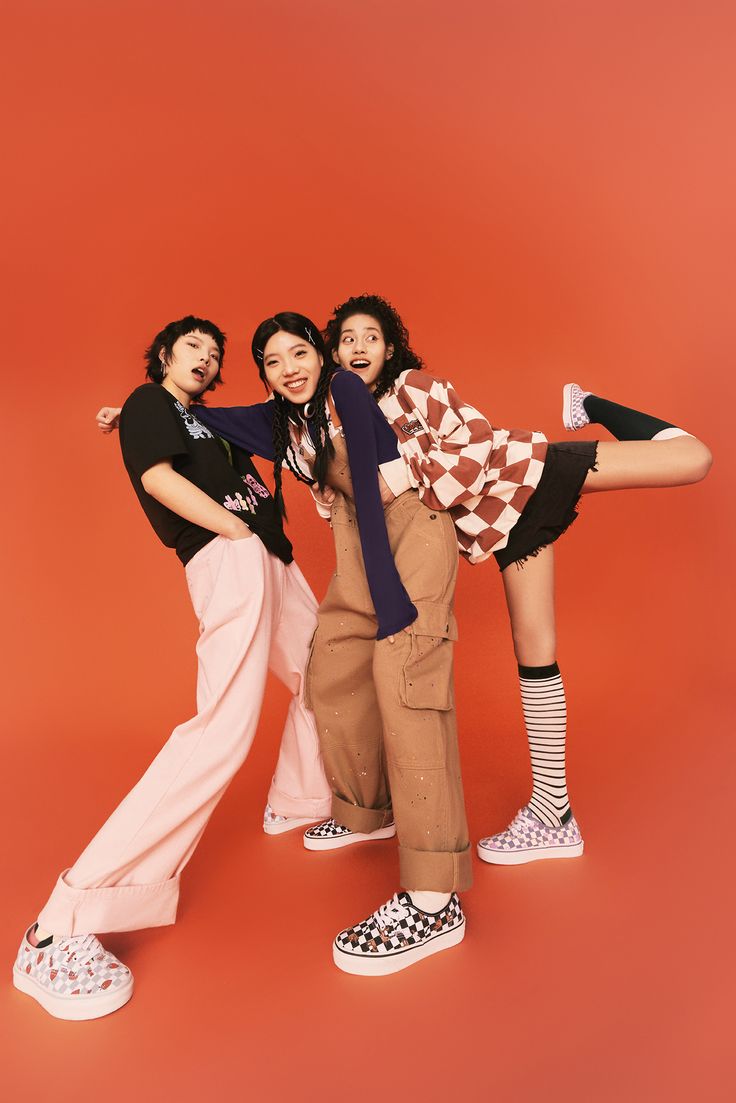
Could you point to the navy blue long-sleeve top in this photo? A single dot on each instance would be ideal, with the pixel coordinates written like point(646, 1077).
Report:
point(370, 441)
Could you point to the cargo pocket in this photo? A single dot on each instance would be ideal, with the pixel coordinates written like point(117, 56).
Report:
point(307, 679)
point(426, 679)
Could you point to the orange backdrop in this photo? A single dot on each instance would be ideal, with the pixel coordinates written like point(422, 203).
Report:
point(545, 190)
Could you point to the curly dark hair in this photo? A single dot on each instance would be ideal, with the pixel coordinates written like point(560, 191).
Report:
point(169, 335)
point(394, 333)
point(285, 412)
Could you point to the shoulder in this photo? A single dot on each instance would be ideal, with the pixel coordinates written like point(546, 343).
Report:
point(345, 384)
point(149, 396)
point(349, 393)
point(419, 386)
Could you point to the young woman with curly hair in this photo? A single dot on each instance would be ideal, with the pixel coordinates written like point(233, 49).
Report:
point(512, 494)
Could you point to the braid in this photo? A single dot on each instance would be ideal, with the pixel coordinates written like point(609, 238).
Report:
point(281, 441)
point(283, 452)
point(324, 447)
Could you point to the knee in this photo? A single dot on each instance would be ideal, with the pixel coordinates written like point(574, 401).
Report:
point(700, 461)
point(534, 646)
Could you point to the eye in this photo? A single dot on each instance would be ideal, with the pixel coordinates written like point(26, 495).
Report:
point(301, 352)
point(192, 344)
point(372, 337)
point(346, 340)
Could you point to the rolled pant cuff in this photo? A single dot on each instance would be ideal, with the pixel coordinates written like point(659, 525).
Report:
point(360, 819)
point(71, 911)
point(435, 871)
point(313, 808)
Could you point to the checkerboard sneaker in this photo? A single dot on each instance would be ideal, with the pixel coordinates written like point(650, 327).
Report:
point(396, 936)
point(527, 839)
point(72, 978)
point(573, 412)
point(331, 835)
point(274, 824)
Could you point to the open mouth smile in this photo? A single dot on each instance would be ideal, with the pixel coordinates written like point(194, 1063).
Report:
point(199, 373)
point(360, 364)
point(295, 384)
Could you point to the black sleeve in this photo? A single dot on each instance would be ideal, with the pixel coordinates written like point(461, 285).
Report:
point(149, 432)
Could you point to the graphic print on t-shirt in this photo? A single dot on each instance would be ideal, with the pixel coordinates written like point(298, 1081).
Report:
point(195, 428)
point(155, 426)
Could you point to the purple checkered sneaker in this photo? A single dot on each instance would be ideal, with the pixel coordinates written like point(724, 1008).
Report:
point(274, 824)
point(573, 412)
point(527, 839)
point(331, 836)
point(396, 936)
point(72, 978)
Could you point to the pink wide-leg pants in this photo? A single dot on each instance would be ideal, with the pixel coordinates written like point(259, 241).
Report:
point(255, 614)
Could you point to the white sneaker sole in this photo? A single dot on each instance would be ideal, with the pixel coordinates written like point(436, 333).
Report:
point(74, 1008)
point(367, 965)
point(521, 857)
point(290, 824)
point(348, 840)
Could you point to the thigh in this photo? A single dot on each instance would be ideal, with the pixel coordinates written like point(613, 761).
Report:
point(530, 590)
point(424, 545)
point(294, 631)
point(631, 464)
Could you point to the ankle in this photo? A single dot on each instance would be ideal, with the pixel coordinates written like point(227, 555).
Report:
point(428, 901)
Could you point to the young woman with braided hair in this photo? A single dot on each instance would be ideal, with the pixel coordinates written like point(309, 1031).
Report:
point(380, 677)
point(512, 494)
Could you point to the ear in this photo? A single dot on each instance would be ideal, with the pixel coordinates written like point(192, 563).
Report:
point(389, 351)
point(335, 357)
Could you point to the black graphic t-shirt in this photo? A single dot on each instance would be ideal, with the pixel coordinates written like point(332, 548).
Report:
point(155, 426)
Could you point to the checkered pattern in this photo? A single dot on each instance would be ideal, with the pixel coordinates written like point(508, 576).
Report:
point(271, 818)
point(397, 927)
point(78, 966)
point(458, 462)
point(327, 830)
point(574, 414)
point(526, 833)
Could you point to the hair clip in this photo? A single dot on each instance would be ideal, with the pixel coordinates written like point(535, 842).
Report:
point(310, 338)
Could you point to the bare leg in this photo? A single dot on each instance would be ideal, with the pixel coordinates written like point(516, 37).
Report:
point(530, 597)
point(648, 463)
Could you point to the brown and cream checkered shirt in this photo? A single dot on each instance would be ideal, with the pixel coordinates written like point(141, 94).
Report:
point(458, 462)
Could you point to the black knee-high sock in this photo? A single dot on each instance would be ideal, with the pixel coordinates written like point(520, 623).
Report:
point(623, 423)
point(545, 717)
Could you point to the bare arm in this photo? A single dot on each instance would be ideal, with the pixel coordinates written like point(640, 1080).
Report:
point(185, 499)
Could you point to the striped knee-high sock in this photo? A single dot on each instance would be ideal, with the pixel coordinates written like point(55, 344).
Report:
point(626, 424)
point(545, 717)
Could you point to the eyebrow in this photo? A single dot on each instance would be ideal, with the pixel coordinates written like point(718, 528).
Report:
point(350, 329)
point(214, 347)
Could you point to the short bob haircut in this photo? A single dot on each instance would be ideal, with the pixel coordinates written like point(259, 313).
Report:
point(167, 338)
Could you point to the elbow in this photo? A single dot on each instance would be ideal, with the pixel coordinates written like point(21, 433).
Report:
point(150, 481)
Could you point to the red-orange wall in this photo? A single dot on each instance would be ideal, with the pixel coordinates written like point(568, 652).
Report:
point(546, 192)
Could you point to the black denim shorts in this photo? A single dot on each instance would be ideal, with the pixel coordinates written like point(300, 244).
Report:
point(552, 507)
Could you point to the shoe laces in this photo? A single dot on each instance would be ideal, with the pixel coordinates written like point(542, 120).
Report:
point(519, 825)
point(391, 913)
point(85, 946)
